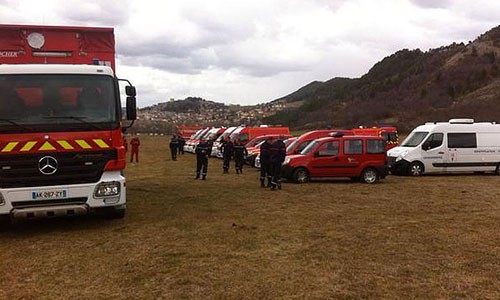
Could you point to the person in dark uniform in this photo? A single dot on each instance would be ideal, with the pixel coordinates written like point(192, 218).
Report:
point(182, 142)
point(174, 145)
point(265, 170)
point(202, 152)
point(240, 152)
point(277, 157)
point(227, 152)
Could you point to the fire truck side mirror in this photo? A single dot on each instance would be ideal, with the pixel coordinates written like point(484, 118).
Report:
point(130, 91)
point(131, 108)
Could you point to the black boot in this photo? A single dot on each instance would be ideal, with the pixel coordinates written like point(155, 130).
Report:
point(197, 176)
point(204, 177)
point(262, 183)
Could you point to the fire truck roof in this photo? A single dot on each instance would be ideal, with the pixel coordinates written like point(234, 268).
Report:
point(55, 69)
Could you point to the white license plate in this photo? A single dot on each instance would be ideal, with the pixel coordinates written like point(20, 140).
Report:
point(57, 194)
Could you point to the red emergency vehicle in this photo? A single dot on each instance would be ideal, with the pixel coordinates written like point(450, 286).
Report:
point(187, 131)
point(245, 134)
point(353, 156)
point(61, 145)
point(389, 133)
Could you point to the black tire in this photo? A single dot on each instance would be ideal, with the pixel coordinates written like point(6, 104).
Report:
point(369, 175)
point(300, 175)
point(497, 170)
point(115, 213)
point(5, 223)
point(416, 169)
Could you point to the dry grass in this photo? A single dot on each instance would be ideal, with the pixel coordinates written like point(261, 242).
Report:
point(434, 237)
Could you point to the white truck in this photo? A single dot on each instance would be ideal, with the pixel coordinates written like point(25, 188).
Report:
point(459, 145)
point(61, 144)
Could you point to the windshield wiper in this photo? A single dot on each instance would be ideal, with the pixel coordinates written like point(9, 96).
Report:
point(80, 119)
point(10, 121)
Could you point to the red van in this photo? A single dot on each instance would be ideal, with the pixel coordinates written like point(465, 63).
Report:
point(302, 141)
point(356, 157)
point(245, 134)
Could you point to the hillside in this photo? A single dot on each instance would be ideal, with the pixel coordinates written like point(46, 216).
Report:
point(406, 89)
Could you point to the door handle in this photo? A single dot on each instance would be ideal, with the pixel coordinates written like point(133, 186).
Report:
point(441, 152)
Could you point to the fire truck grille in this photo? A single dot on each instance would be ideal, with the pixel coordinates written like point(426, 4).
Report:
point(72, 168)
point(44, 203)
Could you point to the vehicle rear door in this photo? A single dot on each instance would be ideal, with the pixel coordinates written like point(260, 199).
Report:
point(352, 157)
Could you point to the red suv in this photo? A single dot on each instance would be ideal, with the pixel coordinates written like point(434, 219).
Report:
point(357, 157)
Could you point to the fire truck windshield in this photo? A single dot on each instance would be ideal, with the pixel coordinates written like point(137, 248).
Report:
point(43, 102)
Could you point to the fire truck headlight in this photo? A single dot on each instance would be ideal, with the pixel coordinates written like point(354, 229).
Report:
point(2, 199)
point(106, 189)
point(287, 161)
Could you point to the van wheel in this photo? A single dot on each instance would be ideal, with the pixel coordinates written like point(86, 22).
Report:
point(369, 175)
point(416, 169)
point(301, 175)
point(497, 170)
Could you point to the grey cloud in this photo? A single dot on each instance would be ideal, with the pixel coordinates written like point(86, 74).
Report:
point(104, 13)
point(171, 64)
point(432, 3)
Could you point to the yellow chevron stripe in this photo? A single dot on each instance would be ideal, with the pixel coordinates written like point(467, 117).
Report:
point(28, 146)
point(101, 143)
point(10, 146)
point(47, 146)
point(83, 144)
point(65, 145)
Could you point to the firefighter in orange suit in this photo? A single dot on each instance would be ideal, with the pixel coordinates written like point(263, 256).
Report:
point(135, 143)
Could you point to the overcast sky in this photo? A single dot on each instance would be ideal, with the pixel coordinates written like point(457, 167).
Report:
point(248, 52)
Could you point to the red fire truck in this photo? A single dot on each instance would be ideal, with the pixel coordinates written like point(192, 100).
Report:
point(61, 142)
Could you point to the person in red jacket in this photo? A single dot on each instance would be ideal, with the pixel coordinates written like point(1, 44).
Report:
point(135, 142)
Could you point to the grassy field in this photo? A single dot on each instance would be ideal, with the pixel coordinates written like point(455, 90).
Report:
point(434, 237)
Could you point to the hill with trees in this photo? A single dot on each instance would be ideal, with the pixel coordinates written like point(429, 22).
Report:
point(405, 89)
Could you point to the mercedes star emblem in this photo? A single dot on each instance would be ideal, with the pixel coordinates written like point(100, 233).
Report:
point(47, 165)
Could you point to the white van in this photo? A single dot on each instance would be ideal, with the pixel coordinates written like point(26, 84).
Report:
point(459, 145)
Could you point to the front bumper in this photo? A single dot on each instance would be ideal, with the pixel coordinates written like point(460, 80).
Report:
point(80, 199)
point(399, 167)
point(383, 171)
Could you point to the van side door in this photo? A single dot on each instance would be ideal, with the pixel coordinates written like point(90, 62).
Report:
point(462, 156)
point(352, 158)
point(325, 160)
point(434, 154)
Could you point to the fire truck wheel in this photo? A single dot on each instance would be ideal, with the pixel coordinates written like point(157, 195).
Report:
point(115, 213)
point(369, 175)
point(416, 169)
point(5, 223)
point(300, 175)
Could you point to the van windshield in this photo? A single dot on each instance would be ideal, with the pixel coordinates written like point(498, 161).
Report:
point(309, 147)
point(414, 139)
